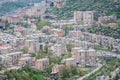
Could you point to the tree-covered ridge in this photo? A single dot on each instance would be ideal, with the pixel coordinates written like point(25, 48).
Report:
point(101, 6)
point(9, 7)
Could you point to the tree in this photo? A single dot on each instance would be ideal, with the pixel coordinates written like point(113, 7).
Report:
point(65, 73)
point(73, 69)
point(67, 28)
point(80, 72)
point(69, 47)
point(43, 23)
point(46, 49)
point(25, 50)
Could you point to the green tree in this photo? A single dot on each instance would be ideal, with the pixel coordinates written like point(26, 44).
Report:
point(43, 23)
point(65, 73)
point(73, 69)
point(25, 50)
point(69, 47)
point(46, 49)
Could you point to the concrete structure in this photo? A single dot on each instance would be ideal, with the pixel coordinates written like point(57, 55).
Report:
point(30, 61)
point(5, 61)
point(85, 57)
point(58, 69)
point(58, 32)
point(32, 45)
point(84, 17)
point(59, 49)
point(14, 19)
point(69, 62)
point(59, 3)
point(5, 48)
point(42, 64)
point(105, 41)
point(103, 19)
point(15, 56)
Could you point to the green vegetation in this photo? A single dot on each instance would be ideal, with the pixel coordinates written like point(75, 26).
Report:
point(110, 64)
point(67, 28)
point(10, 7)
point(112, 7)
point(69, 47)
point(28, 73)
point(43, 23)
point(25, 74)
point(98, 47)
point(107, 31)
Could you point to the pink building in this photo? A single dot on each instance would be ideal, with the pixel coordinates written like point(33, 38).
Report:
point(30, 61)
point(5, 48)
point(42, 64)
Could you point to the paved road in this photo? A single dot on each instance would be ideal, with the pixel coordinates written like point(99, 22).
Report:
point(81, 78)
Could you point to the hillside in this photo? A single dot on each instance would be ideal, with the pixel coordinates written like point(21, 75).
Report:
point(10, 7)
point(101, 6)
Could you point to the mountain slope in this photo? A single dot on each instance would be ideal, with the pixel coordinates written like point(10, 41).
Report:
point(101, 6)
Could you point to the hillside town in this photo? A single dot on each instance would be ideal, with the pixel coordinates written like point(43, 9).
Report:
point(31, 36)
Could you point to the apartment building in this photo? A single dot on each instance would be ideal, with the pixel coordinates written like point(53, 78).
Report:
point(104, 41)
point(58, 69)
point(30, 61)
point(69, 62)
point(84, 17)
point(42, 64)
point(5, 48)
point(84, 57)
point(14, 19)
point(32, 45)
point(58, 32)
point(15, 56)
point(5, 61)
point(19, 29)
point(103, 19)
point(59, 49)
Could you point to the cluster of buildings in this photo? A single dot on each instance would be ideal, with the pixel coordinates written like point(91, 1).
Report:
point(13, 49)
point(80, 57)
point(20, 15)
point(108, 21)
point(39, 64)
point(15, 46)
point(96, 39)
